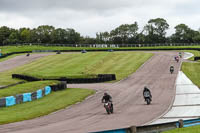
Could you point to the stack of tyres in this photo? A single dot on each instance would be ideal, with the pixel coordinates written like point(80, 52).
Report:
point(34, 96)
point(19, 99)
point(2, 102)
point(39, 93)
point(10, 101)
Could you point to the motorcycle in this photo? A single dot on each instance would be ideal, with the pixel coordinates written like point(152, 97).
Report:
point(171, 69)
point(180, 54)
point(147, 97)
point(177, 59)
point(108, 106)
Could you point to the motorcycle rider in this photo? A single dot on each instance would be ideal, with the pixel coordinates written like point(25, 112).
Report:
point(171, 69)
point(107, 98)
point(145, 91)
point(177, 58)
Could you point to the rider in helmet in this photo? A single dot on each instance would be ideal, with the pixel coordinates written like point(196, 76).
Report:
point(107, 98)
point(171, 68)
point(147, 90)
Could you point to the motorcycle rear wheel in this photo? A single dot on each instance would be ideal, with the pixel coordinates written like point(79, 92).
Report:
point(107, 110)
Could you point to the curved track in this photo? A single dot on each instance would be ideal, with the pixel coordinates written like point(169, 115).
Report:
point(129, 105)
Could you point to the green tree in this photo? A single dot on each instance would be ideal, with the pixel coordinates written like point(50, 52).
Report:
point(25, 35)
point(14, 37)
point(44, 33)
point(125, 33)
point(73, 37)
point(183, 34)
point(59, 36)
point(155, 30)
point(99, 38)
point(4, 35)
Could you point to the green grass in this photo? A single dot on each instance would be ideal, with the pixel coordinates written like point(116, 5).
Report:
point(9, 49)
point(50, 103)
point(80, 65)
point(9, 57)
point(195, 52)
point(194, 129)
point(6, 79)
point(192, 70)
point(24, 88)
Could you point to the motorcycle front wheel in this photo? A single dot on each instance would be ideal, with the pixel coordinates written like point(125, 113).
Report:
point(148, 101)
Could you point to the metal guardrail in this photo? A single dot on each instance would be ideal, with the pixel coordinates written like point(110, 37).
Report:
point(125, 130)
point(109, 45)
point(191, 122)
point(156, 128)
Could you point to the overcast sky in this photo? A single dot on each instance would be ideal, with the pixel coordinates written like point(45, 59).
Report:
point(90, 16)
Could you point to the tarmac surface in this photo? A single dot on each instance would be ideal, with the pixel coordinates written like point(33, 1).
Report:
point(129, 106)
point(19, 61)
point(187, 100)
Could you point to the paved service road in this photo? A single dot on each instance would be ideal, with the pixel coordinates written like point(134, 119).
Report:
point(129, 106)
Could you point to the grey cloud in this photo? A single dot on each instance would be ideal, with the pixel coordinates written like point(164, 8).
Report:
point(91, 16)
point(22, 5)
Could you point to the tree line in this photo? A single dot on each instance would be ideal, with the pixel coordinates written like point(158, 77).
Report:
point(153, 32)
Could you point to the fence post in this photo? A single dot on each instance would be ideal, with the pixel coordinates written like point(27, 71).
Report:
point(133, 129)
point(180, 123)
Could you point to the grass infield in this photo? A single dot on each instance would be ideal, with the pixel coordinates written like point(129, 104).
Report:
point(195, 129)
point(80, 65)
point(10, 49)
point(192, 70)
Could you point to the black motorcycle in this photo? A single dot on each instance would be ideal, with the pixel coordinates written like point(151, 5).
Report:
point(147, 97)
point(109, 107)
point(171, 69)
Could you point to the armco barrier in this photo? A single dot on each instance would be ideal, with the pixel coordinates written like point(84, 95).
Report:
point(114, 131)
point(25, 97)
point(189, 123)
point(156, 128)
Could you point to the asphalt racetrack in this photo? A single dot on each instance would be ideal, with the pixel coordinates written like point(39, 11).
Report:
point(129, 106)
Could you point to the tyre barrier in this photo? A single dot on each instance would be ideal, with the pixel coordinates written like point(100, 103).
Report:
point(155, 128)
point(196, 58)
point(25, 97)
point(61, 86)
point(98, 79)
point(25, 77)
